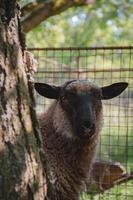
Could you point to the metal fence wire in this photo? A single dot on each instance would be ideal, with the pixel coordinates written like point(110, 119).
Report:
point(104, 65)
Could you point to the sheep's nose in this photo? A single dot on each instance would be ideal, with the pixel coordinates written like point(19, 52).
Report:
point(86, 124)
point(89, 125)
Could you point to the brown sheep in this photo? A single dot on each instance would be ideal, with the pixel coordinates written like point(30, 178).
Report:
point(70, 132)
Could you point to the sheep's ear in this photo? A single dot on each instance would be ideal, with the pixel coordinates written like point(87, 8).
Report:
point(111, 91)
point(47, 91)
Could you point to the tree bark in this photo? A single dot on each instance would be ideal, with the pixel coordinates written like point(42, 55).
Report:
point(21, 171)
point(37, 12)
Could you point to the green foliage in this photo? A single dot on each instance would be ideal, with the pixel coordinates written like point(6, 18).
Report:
point(119, 153)
point(117, 193)
point(24, 2)
point(104, 23)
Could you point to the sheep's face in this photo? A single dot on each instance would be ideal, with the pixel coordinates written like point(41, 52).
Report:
point(81, 102)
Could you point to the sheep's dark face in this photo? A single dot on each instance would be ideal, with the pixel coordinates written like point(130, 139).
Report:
point(82, 104)
point(81, 101)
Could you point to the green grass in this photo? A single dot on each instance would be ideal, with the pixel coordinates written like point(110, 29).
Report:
point(121, 192)
point(116, 145)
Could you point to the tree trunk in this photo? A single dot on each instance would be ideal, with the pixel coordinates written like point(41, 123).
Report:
point(21, 171)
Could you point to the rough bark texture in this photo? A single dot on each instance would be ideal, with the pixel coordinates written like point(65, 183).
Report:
point(36, 12)
point(21, 173)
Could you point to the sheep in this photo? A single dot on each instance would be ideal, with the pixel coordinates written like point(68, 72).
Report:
point(70, 133)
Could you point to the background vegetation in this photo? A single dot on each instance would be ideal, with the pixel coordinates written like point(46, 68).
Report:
point(105, 67)
point(100, 24)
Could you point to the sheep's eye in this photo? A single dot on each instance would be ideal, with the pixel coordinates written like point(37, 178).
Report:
point(68, 98)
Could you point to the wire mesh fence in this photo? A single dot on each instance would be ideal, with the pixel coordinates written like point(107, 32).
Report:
point(104, 65)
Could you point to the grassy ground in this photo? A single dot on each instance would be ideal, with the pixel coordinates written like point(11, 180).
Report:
point(122, 192)
point(116, 145)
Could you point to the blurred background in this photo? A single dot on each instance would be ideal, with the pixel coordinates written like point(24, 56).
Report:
point(88, 39)
point(104, 66)
point(87, 23)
